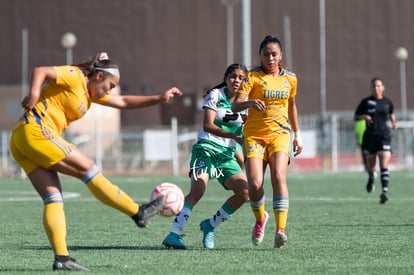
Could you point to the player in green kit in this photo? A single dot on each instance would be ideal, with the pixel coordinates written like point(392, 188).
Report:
point(217, 154)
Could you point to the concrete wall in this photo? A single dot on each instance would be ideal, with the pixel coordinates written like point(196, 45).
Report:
point(159, 44)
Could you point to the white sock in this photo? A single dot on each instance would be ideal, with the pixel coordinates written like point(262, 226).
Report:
point(181, 220)
point(220, 217)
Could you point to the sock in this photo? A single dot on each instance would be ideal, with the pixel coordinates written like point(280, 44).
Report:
point(258, 208)
point(385, 178)
point(54, 223)
point(181, 219)
point(371, 177)
point(108, 193)
point(61, 258)
point(222, 215)
point(280, 210)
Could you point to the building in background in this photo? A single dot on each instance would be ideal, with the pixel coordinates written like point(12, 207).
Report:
point(182, 43)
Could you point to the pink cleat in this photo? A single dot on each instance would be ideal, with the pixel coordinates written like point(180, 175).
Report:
point(259, 229)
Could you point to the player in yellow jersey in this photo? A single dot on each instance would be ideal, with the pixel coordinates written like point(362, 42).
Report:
point(38, 147)
point(269, 94)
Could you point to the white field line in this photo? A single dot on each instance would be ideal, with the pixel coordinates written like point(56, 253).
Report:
point(21, 196)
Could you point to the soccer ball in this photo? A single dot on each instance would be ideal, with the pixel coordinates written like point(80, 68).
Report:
point(173, 198)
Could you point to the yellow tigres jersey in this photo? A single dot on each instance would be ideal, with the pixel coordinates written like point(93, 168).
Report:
point(275, 93)
point(63, 101)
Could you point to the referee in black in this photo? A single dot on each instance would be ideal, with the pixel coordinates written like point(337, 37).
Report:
point(378, 112)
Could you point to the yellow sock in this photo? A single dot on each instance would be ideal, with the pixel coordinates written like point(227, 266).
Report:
point(109, 193)
point(280, 210)
point(258, 208)
point(54, 223)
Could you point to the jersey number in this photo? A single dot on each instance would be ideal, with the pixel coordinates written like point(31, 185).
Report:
point(229, 117)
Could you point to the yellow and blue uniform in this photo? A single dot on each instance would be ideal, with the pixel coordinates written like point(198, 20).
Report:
point(36, 141)
point(36, 138)
point(268, 131)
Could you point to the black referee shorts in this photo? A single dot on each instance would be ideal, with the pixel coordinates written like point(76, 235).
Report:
point(373, 143)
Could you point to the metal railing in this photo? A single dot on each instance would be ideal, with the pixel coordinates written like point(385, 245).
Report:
point(167, 150)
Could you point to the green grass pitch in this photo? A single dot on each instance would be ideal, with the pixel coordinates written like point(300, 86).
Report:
point(334, 227)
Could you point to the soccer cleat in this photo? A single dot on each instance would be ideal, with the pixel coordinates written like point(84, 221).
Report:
point(70, 264)
point(147, 211)
point(370, 186)
point(208, 234)
point(383, 197)
point(173, 240)
point(259, 229)
point(280, 239)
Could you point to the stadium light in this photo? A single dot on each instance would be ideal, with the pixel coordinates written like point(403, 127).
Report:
point(402, 54)
point(68, 42)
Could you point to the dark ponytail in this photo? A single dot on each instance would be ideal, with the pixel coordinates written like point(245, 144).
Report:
point(100, 60)
point(270, 39)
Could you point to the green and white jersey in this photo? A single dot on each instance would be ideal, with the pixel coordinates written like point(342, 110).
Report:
point(218, 101)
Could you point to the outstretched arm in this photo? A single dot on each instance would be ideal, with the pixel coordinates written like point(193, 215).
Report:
point(136, 101)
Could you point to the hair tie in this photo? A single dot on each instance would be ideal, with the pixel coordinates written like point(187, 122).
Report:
point(103, 56)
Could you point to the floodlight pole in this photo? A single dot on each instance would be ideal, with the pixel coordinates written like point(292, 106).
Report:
point(68, 42)
point(246, 33)
point(230, 31)
point(25, 62)
point(401, 54)
point(322, 96)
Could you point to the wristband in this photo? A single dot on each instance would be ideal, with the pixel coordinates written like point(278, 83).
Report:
point(298, 138)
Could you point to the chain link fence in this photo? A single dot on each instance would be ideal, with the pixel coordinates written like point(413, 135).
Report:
point(167, 150)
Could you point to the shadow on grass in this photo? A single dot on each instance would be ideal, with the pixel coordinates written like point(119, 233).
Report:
point(146, 248)
point(23, 270)
point(98, 247)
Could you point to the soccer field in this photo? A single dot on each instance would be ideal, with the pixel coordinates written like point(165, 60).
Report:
point(334, 227)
